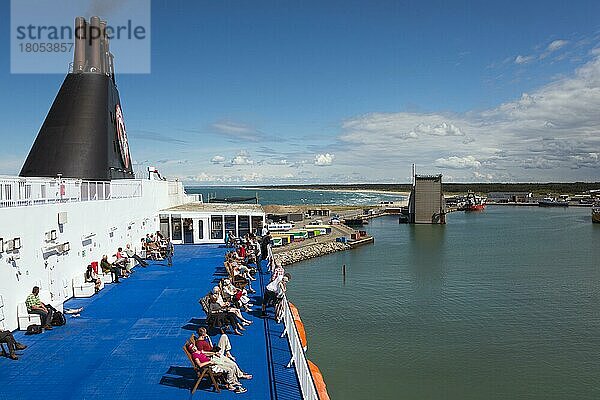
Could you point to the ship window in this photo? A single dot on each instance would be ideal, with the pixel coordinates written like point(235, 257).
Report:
point(176, 226)
point(216, 227)
point(230, 224)
point(93, 195)
point(84, 191)
point(164, 225)
point(257, 224)
point(243, 225)
point(201, 229)
point(7, 192)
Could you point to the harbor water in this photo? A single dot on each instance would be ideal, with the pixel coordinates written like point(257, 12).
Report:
point(502, 304)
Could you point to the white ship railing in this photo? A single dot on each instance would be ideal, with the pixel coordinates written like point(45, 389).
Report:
point(307, 384)
point(20, 192)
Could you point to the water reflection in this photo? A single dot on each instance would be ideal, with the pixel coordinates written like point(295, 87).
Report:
point(425, 253)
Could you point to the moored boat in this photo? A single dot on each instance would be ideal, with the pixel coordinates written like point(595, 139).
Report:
point(474, 202)
point(596, 213)
point(553, 202)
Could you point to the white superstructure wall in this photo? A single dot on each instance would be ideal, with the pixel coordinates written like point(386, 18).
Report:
point(91, 229)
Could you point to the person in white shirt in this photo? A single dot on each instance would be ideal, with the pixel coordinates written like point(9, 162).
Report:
point(275, 291)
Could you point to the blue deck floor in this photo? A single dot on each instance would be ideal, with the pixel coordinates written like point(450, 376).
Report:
point(127, 344)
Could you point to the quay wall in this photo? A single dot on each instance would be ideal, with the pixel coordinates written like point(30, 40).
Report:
point(287, 257)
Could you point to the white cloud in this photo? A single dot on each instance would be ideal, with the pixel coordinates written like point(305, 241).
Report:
point(484, 177)
point(278, 162)
point(202, 177)
point(252, 177)
point(242, 158)
point(454, 162)
point(556, 45)
point(523, 59)
point(443, 129)
point(383, 127)
point(217, 159)
point(237, 130)
point(324, 159)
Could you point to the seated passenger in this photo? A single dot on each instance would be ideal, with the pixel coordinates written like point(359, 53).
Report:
point(92, 277)
point(202, 360)
point(122, 262)
point(35, 306)
point(153, 250)
point(219, 354)
point(8, 338)
point(229, 307)
point(229, 317)
point(241, 251)
point(131, 254)
point(236, 295)
point(107, 267)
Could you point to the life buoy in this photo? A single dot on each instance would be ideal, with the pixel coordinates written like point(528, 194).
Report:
point(318, 380)
point(299, 326)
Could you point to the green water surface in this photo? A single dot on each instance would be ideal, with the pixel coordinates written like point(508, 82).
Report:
point(502, 304)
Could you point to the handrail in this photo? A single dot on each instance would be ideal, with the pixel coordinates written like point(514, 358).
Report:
point(21, 192)
point(305, 378)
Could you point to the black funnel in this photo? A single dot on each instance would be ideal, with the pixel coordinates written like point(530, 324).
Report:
point(84, 134)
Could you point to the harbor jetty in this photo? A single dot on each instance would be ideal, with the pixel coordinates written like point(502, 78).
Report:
point(310, 237)
point(289, 256)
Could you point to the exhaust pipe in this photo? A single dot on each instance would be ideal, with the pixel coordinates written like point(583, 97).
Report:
point(103, 47)
point(94, 45)
point(80, 36)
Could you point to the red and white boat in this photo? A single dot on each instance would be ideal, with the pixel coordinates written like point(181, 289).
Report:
point(474, 202)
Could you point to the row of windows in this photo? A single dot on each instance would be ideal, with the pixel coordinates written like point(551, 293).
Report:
point(219, 225)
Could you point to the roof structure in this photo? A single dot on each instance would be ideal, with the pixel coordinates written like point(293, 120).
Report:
point(218, 208)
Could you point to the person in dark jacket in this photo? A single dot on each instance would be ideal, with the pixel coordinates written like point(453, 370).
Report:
point(264, 243)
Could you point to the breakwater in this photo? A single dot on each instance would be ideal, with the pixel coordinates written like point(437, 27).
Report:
point(290, 256)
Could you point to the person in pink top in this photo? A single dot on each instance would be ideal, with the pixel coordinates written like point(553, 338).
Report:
point(203, 360)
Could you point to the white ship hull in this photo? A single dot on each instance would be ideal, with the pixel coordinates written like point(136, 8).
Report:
point(90, 227)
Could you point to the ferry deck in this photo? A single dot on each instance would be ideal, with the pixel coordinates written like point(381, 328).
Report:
point(127, 343)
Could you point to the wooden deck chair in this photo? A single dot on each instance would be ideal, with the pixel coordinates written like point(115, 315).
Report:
point(213, 319)
point(201, 372)
point(238, 281)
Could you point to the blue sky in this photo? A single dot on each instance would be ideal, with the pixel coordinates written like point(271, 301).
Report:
point(349, 91)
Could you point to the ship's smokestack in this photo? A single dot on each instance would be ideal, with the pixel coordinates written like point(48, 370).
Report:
point(80, 35)
point(83, 135)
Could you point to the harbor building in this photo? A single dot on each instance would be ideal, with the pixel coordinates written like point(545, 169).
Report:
point(426, 204)
point(318, 212)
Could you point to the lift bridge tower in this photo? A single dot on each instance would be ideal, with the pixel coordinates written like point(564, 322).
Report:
point(426, 204)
